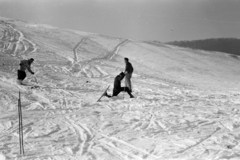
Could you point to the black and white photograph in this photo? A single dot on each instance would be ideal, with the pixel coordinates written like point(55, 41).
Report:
point(119, 79)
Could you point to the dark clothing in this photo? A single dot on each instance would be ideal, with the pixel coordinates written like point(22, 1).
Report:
point(117, 87)
point(129, 68)
point(117, 82)
point(128, 75)
point(21, 75)
point(26, 64)
point(117, 91)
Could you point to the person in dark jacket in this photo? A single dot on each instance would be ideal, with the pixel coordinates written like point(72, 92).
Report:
point(128, 74)
point(117, 86)
point(24, 64)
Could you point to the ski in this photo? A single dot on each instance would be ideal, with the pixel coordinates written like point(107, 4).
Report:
point(103, 94)
point(35, 87)
point(31, 86)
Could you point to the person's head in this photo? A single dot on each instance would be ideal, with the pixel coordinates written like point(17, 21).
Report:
point(126, 60)
point(122, 75)
point(31, 60)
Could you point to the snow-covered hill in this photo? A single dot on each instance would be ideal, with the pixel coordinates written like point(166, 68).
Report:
point(186, 107)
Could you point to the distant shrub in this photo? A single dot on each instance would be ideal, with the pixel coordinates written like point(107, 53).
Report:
point(227, 45)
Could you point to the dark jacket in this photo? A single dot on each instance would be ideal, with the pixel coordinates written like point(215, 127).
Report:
point(129, 68)
point(25, 64)
point(117, 83)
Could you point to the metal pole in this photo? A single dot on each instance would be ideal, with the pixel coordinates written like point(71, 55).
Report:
point(20, 126)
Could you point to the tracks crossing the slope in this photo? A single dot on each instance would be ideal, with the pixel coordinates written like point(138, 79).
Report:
point(13, 42)
point(92, 68)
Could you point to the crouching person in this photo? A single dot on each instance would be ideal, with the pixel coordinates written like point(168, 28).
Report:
point(117, 87)
point(24, 65)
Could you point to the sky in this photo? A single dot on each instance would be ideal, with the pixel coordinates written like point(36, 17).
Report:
point(161, 20)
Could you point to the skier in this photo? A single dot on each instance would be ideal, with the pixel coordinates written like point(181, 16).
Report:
point(117, 86)
point(128, 73)
point(24, 64)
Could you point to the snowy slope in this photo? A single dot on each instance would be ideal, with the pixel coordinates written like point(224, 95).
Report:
point(186, 107)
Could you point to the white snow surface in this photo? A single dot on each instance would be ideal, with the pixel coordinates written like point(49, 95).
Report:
point(186, 104)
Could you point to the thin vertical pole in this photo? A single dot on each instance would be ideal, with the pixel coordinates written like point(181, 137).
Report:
point(20, 126)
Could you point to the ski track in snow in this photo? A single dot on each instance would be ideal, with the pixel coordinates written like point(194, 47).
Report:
point(62, 120)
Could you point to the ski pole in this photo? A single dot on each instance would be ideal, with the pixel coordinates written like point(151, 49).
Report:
point(20, 125)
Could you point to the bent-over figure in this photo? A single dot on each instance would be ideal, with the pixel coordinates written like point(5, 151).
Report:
point(24, 64)
point(117, 87)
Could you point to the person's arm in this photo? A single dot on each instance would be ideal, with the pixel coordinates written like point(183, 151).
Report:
point(29, 69)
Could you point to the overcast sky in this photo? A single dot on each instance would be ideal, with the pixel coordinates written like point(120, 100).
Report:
point(163, 20)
